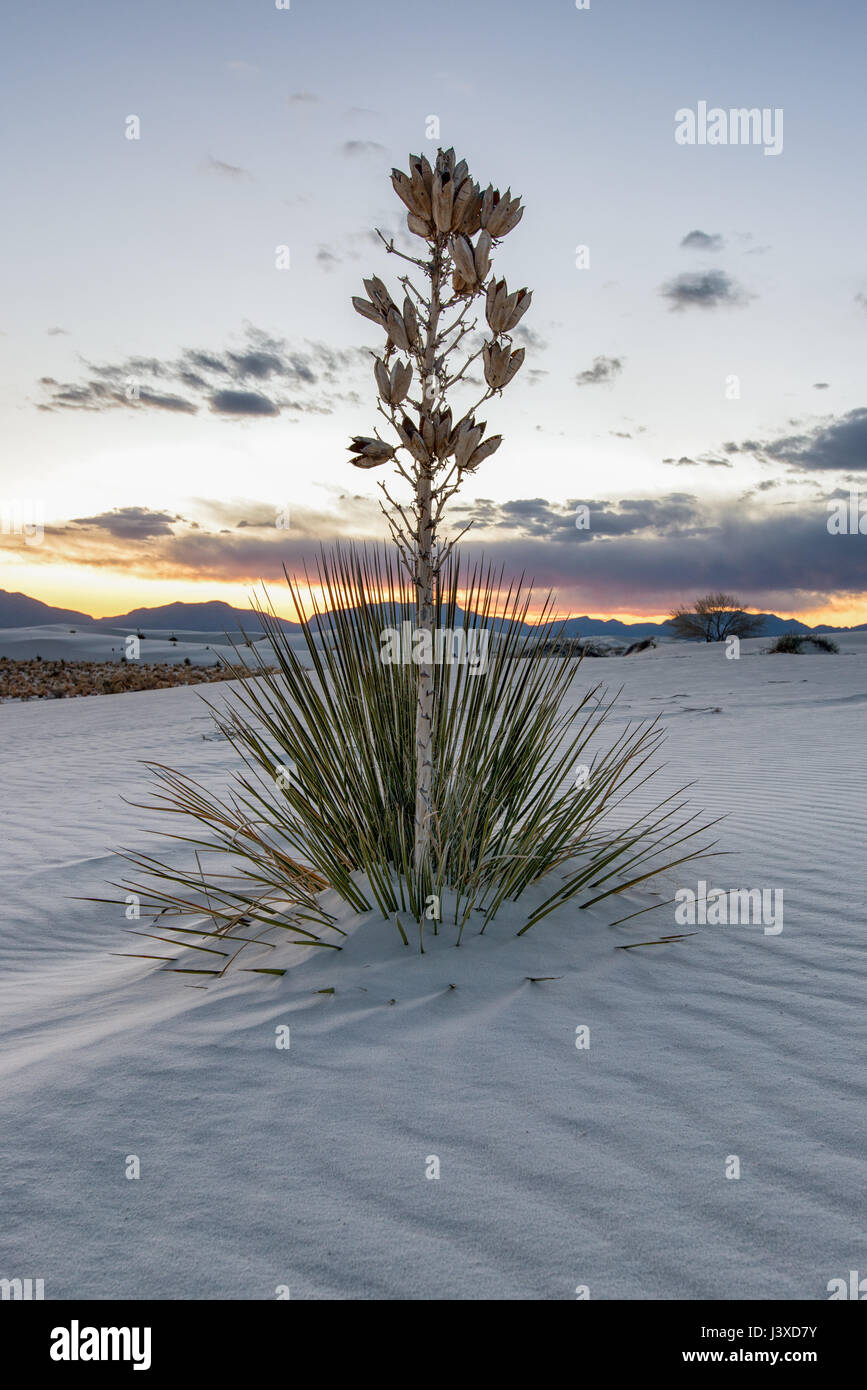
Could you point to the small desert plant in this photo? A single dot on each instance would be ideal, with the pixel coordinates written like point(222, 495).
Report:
point(327, 795)
point(714, 617)
point(792, 644)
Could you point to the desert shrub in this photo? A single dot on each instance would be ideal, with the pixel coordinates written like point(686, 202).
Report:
point(792, 644)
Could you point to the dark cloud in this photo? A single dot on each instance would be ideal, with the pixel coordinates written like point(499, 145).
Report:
point(706, 289)
point(310, 379)
point(129, 523)
point(535, 517)
point(327, 258)
point(861, 299)
point(98, 395)
point(836, 444)
point(703, 241)
point(56, 332)
point(604, 369)
point(639, 554)
point(242, 403)
point(299, 98)
point(821, 385)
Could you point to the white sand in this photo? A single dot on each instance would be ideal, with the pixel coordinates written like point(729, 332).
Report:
point(559, 1167)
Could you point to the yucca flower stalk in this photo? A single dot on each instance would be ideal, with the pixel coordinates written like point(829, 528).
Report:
point(425, 357)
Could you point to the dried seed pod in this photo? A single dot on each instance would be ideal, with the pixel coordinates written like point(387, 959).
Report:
point(400, 382)
point(370, 452)
point(462, 255)
point(484, 450)
point(496, 364)
point(519, 303)
point(396, 330)
point(461, 286)
point(420, 168)
point(418, 450)
point(428, 433)
point(498, 213)
point(403, 187)
point(410, 321)
point(469, 436)
point(443, 421)
point(506, 215)
point(442, 201)
point(514, 364)
point(420, 226)
point(472, 219)
point(482, 257)
point(463, 199)
point(495, 302)
point(383, 380)
point(491, 297)
point(460, 172)
point(369, 311)
point(513, 217)
point(446, 162)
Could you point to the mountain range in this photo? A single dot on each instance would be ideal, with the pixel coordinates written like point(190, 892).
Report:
point(19, 610)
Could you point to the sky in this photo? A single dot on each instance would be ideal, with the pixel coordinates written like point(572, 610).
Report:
point(176, 400)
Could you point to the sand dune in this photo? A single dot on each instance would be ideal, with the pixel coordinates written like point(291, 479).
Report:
point(559, 1167)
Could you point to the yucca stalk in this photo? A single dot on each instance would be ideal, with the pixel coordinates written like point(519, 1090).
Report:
point(435, 451)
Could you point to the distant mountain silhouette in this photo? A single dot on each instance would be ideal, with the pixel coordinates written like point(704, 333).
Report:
point(19, 610)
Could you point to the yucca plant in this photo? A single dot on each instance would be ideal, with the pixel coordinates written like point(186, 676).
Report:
point(326, 794)
point(409, 782)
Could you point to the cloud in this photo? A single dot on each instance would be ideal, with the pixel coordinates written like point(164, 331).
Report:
point(310, 379)
point(706, 289)
point(353, 148)
point(327, 258)
point(528, 337)
point(229, 171)
point(821, 385)
point(861, 299)
point(705, 460)
point(639, 554)
point(242, 403)
point(839, 444)
point(703, 241)
point(298, 98)
point(239, 65)
point(129, 523)
point(96, 395)
point(604, 369)
point(56, 332)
